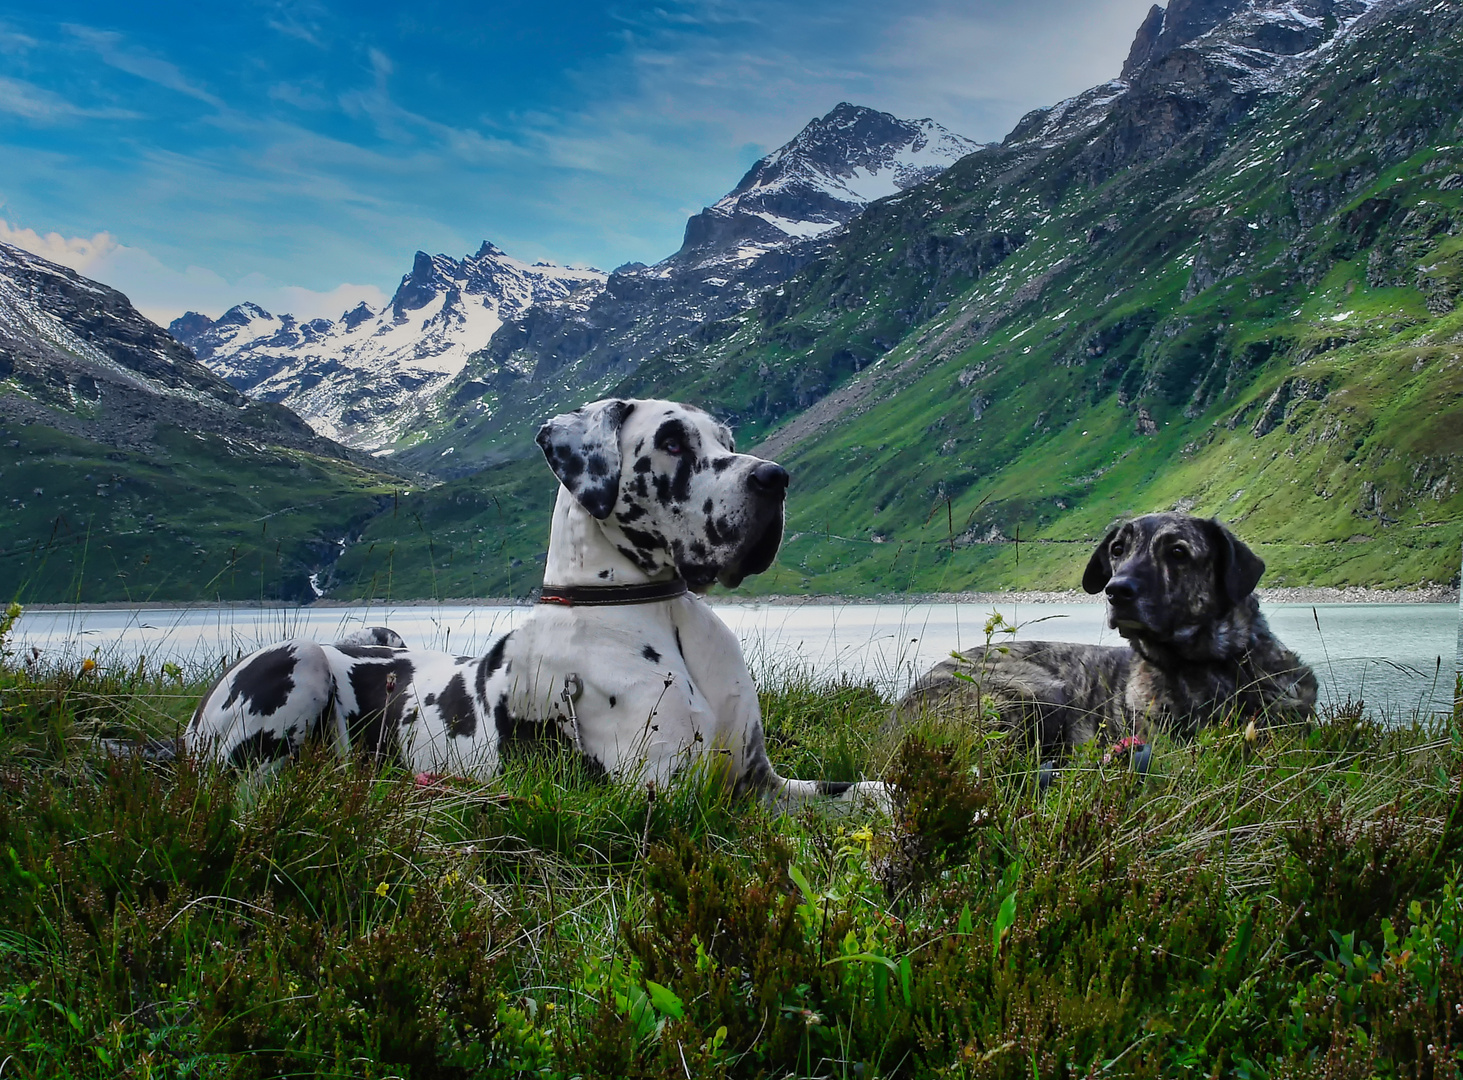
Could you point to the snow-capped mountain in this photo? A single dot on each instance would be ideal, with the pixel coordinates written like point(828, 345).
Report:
point(820, 180)
point(788, 207)
point(364, 378)
point(77, 357)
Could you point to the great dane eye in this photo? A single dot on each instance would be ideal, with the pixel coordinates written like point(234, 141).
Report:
point(672, 446)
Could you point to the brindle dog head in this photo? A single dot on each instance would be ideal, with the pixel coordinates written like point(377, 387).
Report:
point(1171, 579)
point(669, 489)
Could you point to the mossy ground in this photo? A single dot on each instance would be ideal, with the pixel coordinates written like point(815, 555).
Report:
point(1278, 907)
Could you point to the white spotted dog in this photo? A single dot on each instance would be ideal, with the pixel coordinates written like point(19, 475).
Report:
point(622, 658)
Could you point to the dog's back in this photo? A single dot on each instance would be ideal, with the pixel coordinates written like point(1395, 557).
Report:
point(1054, 693)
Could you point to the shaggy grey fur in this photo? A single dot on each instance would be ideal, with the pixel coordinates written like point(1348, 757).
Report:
point(1180, 590)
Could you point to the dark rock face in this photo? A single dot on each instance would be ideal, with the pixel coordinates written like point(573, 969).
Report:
point(420, 287)
point(1186, 20)
point(91, 365)
point(1193, 72)
point(1142, 49)
point(54, 317)
point(188, 325)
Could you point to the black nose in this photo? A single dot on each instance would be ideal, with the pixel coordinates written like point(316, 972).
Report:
point(767, 478)
point(1121, 589)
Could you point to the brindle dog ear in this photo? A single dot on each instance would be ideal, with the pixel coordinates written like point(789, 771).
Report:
point(583, 449)
point(1238, 567)
point(1099, 567)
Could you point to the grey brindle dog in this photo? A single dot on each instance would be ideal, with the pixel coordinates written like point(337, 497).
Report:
point(1181, 591)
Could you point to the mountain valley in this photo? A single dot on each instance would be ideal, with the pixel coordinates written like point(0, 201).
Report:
point(1226, 281)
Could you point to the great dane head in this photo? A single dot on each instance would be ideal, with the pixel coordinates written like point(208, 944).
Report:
point(1171, 579)
point(669, 489)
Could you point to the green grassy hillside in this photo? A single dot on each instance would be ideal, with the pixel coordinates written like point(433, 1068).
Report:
point(1252, 314)
point(1259, 322)
point(194, 517)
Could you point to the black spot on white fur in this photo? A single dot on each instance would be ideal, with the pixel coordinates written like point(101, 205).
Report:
point(650, 654)
point(374, 725)
point(488, 665)
point(456, 707)
point(265, 682)
point(260, 747)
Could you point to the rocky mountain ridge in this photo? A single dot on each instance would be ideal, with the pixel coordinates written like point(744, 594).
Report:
point(75, 355)
point(364, 378)
point(786, 208)
point(1228, 283)
point(131, 471)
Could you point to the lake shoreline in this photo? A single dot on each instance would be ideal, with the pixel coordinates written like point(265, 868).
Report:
point(1432, 594)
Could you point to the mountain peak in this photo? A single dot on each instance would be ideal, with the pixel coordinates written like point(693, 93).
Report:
point(357, 315)
point(824, 176)
point(242, 315)
point(189, 324)
point(369, 373)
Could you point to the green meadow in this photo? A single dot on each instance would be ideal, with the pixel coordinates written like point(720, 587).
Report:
point(1272, 904)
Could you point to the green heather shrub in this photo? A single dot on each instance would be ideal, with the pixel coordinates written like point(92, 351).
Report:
point(1281, 906)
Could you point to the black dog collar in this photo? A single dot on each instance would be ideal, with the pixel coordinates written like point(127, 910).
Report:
point(611, 595)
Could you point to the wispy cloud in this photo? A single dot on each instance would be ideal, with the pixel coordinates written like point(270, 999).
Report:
point(31, 102)
point(301, 19)
point(13, 41)
point(395, 123)
point(334, 143)
point(162, 293)
point(111, 47)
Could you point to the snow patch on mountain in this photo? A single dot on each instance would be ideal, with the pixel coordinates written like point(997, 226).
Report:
point(368, 376)
point(817, 182)
point(29, 286)
point(1253, 46)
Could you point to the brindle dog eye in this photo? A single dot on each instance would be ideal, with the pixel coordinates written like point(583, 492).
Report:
point(1116, 549)
point(1178, 553)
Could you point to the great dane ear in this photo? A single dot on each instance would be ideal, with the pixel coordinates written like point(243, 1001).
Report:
point(1238, 567)
point(1099, 567)
point(583, 449)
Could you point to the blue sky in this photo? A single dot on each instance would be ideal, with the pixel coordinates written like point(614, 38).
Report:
point(297, 152)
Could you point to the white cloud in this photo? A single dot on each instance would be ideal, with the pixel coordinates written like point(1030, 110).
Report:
point(77, 252)
point(162, 293)
point(307, 304)
point(302, 19)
